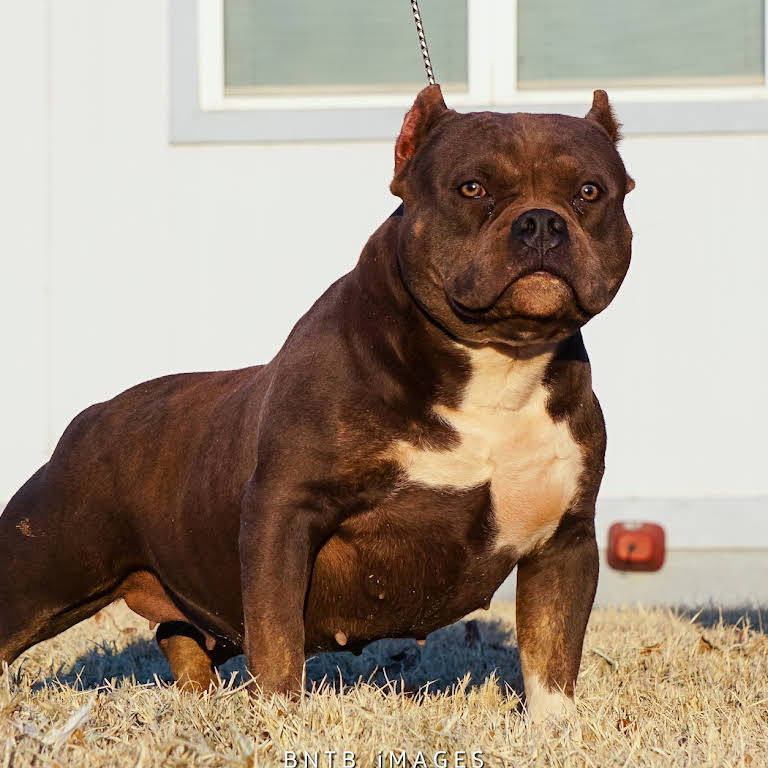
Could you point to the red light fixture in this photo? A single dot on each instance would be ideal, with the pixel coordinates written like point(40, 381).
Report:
point(636, 546)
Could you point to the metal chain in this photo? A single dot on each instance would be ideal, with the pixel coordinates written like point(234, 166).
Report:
point(422, 41)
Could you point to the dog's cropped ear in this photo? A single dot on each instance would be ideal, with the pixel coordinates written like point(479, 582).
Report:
point(602, 114)
point(422, 117)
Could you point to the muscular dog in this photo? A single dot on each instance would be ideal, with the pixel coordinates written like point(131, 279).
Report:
point(428, 425)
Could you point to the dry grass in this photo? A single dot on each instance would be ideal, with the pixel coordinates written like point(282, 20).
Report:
point(656, 689)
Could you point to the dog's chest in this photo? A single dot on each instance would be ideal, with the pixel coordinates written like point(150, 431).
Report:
point(507, 439)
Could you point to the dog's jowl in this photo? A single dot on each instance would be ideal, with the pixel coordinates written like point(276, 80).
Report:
point(428, 425)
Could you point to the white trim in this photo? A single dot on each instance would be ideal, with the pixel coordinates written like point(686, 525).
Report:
point(732, 579)
point(210, 58)
point(504, 47)
point(200, 112)
point(693, 524)
point(479, 39)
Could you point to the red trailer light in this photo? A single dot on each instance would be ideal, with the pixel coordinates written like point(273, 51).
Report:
point(636, 546)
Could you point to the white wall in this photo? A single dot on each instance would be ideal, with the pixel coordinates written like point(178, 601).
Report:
point(125, 258)
point(24, 241)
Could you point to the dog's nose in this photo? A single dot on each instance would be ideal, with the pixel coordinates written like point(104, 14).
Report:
point(540, 228)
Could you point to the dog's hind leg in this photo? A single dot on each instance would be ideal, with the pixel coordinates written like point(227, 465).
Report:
point(192, 664)
point(49, 577)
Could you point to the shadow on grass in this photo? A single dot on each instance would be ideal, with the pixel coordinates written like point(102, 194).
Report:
point(709, 616)
point(478, 648)
point(140, 662)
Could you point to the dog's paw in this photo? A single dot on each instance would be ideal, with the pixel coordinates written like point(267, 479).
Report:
point(546, 705)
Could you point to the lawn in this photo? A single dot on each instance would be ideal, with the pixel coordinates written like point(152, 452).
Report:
point(657, 688)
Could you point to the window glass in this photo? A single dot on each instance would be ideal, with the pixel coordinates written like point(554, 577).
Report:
point(654, 42)
point(335, 46)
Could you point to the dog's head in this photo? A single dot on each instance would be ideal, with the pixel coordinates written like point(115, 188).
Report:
point(514, 227)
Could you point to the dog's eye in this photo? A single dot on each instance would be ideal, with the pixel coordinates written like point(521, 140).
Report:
point(589, 192)
point(472, 189)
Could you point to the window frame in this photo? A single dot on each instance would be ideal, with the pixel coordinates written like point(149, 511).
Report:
point(201, 112)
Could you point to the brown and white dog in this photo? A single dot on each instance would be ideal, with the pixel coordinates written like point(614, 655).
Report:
point(428, 425)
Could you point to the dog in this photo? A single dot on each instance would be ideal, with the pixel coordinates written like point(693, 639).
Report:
point(428, 425)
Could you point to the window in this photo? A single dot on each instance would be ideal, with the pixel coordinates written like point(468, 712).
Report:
point(630, 44)
point(304, 54)
point(336, 46)
point(251, 70)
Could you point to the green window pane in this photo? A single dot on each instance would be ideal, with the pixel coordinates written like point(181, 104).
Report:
point(654, 42)
point(332, 46)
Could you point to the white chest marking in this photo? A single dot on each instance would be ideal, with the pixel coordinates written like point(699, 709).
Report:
point(508, 439)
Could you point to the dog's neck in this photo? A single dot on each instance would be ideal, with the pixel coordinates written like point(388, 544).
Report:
point(378, 291)
point(505, 378)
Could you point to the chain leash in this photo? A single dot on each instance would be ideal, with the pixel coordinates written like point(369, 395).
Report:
point(422, 41)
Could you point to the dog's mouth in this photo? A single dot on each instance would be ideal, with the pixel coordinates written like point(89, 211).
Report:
point(539, 294)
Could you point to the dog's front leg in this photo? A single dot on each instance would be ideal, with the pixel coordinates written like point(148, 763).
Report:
point(279, 539)
point(555, 590)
